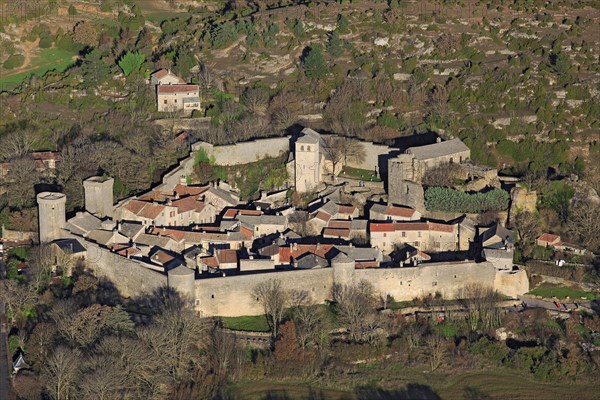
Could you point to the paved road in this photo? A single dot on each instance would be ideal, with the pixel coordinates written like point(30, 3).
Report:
point(4, 360)
point(555, 306)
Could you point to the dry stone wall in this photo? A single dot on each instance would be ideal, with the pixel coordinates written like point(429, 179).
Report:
point(245, 152)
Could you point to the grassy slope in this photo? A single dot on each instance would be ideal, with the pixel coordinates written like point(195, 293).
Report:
point(46, 60)
point(561, 292)
point(256, 323)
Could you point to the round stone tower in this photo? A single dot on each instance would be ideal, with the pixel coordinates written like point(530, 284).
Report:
point(343, 269)
point(51, 211)
point(181, 279)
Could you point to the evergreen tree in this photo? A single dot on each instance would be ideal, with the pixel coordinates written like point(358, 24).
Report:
point(335, 46)
point(131, 62)
point(314, 63)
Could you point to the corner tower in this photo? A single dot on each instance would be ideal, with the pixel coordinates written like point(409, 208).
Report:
point(307, 161)
point(99, 195)
point(51, 212)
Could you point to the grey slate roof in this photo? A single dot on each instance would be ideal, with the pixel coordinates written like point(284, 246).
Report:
point(83, 223)
point(438, 149)
point(310, 260)
point(130, 229)
point(73, 246)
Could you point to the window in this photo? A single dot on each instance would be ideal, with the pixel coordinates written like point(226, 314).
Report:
point(175, 100)
point(384, 234)
point(307, 148)
point(301, 148)
point(212, 296)
point(165, 101)
point(419, 233)
point(433, 283)
point(417, 244)
point(197, 302)
point(403, 234)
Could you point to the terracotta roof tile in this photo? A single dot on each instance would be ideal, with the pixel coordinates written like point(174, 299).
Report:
point(227, 256)
point(549, 238)
point(178, 88)
point(400, 211)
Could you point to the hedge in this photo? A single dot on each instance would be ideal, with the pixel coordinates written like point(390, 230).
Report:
point(452, 200)
point(14, 61)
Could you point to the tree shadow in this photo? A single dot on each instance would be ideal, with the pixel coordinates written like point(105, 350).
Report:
point(413, 391)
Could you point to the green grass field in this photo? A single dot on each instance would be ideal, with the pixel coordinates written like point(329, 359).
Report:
point(46, 60)
point(257, 323)
point(561, 292)
point(357, 173)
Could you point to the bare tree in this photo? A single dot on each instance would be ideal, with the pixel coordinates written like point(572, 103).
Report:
point(273, 299)
point(352, 150)
point(480, 302)
point(176, 338)
point(436, 347)
point(18, 298)
point(61, 373)
point(584, 225)
point(255, 100)
point(307, 317)
point(17, 144)
point(441, 175)
point(353, 305)
point(333, 148)
point(224, 352)
point(528, 225)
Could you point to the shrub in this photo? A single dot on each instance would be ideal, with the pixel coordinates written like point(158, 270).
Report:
point(131, 62)
point(315, 66)
point(14, 61)
point(46, 42)
point(452, 200)
point(72, 10)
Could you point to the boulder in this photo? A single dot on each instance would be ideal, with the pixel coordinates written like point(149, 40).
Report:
point(522, 200)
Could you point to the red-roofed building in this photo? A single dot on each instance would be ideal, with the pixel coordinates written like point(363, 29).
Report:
point(548, 240)
point(383, 212)
point(170, 98)
point(165, 77)
point(424, 236)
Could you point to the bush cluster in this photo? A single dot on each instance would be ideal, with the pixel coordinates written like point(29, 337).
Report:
point(452, 200)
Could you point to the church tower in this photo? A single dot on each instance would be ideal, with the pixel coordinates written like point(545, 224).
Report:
point(308, 162)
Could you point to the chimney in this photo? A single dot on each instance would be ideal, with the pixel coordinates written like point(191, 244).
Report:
point(407, 255)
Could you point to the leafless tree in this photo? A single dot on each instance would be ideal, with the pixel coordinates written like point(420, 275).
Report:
point(333, 149)
point(353, 150)
point(223, 352)
point(528, 225)
point(441, 175)
point(353, 305)
point(284, 109)
point(176, 338)
point(61, 373)
point(436, 347)
point(17, 145)
point(40, 266)
point(17, 298)
point(273, 299)
point(307, 317)
point(20, 181)
point(584, 225)
point(255, 100)
point(102, 380)
point(480, 302)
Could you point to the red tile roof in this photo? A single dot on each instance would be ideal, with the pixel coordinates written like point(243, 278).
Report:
point(339, 224)
point(190, 203)
point(323, 216)
point(346, 209)
point(227, 256)
point(549, 238)
point(405, 212)
point(336, 233)
point(410, 226)
point(45, 155)
point(233, 212)
point(366, 264)
point(178, 88)
point(210, 261)
point(247, 233)
point(381, 227)
point(184, 190)
point(285, 253)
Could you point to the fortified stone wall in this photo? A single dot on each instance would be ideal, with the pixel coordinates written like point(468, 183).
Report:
point(245, 152)
point(129, 276)
point(9, 234)
point(407, 283)
point(232, 296)
point(376, 158)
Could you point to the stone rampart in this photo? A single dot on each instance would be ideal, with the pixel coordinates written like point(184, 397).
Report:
point(18, 236)
point(232, 296)
point(129, 276)
point(410, 282)
point(245, 152)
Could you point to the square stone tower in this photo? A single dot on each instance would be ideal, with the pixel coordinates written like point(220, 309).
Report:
point(307, 157)
point(99, 195)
